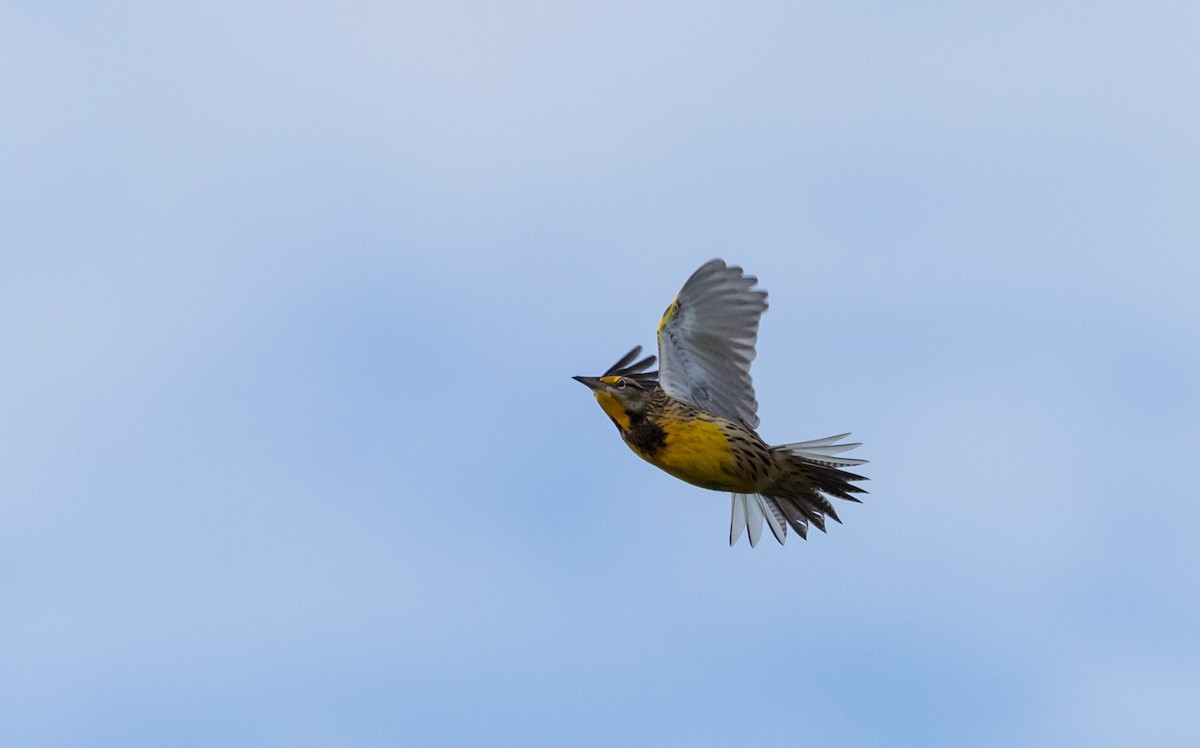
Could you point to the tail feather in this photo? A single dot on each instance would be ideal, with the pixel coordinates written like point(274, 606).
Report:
point(737, 517)
point(754, 519)
point(748, 512)
point(823, 450)
point(775, 519)
point(808, 475)
point(797, 517)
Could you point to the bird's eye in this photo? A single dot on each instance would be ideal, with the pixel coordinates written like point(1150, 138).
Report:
point(621, 383)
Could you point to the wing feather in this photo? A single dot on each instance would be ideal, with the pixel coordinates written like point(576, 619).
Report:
point(706, 342)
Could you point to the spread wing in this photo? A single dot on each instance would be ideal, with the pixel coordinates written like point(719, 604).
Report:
point(706, 342)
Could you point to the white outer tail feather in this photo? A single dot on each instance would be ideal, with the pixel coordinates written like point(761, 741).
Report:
point(822, 450)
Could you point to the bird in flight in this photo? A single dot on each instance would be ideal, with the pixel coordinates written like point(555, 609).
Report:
point(696, 416)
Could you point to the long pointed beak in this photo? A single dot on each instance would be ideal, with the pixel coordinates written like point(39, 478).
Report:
point(591, 382)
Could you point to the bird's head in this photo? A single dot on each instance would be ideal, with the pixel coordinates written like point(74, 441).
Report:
point(625, 389)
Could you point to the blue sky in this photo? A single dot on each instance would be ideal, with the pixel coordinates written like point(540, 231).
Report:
point(291, 295)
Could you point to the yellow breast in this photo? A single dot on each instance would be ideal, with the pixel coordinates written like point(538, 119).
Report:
point(697, 451)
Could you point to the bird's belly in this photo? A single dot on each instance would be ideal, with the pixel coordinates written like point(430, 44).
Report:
point(698, 452)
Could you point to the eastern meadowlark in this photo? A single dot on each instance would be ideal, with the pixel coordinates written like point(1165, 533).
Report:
point(695, 417)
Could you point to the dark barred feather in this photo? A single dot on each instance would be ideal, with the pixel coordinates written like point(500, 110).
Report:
point(636, 372)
